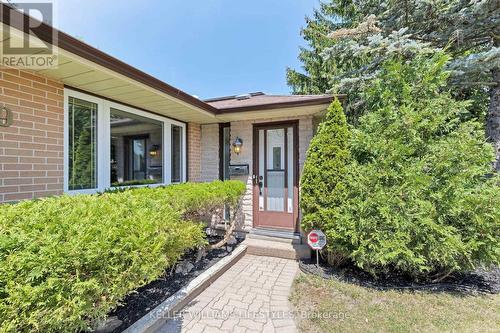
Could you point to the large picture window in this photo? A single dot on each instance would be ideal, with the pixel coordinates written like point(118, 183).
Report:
point(82, 144)
point(136, 149)
point(108, 144)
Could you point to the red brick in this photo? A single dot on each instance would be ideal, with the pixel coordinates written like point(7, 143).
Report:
point(32, 159)
point(9, 144)
point(34, 119)
point(9, 100)
point(18, 152)
point(32, 188)
point(47, 193)
point(17, 196)
point(45, 87)
point(9, 189)
point(45, 180)
point(12, 71)
point(16, 79)
point(44, 167)
point(10, 85)
point(39, 106)
point(9, 174)
point(32, 174)
point(45, 101)
point(37, 146)
point(56, 186)
point(32, 132)
point(18, 94)
point(18, 181)
point(9, 159)
point(33, 91)
point(17, 167)
point(20, 109)
point(32, 77)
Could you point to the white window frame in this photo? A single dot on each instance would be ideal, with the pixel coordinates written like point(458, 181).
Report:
point(104, 107)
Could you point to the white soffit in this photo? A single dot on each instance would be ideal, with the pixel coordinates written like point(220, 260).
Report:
point(273, 113)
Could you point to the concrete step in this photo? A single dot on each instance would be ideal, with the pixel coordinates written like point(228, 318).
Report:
point(273, 239)
point(277, 249)
point(275, 235)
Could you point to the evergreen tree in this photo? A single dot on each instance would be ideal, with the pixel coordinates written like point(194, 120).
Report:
point(365, 33)
point(315, 74)
point(321, 180)
point(415, 198)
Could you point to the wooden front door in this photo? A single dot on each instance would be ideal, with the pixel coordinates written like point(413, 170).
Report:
point(275, 181)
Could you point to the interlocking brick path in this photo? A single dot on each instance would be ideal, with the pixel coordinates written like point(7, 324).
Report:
point(251, 296)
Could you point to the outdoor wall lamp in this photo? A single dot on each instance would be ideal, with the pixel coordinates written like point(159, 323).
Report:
point(154, 151)
point(237, 145)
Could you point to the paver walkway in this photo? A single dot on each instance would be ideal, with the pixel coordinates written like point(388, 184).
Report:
point(251, 296)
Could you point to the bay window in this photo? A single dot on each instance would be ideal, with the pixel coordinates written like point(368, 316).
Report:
point(109, 145)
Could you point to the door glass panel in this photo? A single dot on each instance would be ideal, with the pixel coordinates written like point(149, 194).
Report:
point(290, 169)
point(275, 174)
point(136, 149)
point(226, 153)
point(226, 156)
point(261, 169)
point(82, 144)
point(139, 158)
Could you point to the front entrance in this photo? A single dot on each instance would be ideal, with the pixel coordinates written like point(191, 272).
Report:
point(275, 181)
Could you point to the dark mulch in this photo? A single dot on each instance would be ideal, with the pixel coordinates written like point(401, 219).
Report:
point(479, 281)
point(149, 296)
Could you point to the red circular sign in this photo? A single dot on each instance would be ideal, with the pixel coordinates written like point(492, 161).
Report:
point(316, 239)
point(313, 237)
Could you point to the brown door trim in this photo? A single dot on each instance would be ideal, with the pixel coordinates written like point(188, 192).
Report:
point(255, 168)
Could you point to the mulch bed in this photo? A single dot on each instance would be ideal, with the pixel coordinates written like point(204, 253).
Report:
point(146, 298)
point(479, 281)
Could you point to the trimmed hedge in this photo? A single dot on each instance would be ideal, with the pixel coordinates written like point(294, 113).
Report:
point(65, 262)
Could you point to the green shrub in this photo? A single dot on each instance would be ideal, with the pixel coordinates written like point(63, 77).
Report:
point(134, 182)
point(418, 199)
point(66, 262)
point(322, 180)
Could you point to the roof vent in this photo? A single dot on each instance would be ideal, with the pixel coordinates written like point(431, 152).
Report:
point(243, 97)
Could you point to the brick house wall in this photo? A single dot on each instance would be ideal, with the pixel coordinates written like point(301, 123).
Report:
point(243, 129)
point(210, 152)
point(193, 137)
point(31, 149)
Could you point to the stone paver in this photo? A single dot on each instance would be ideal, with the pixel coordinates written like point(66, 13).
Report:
point(251, 296)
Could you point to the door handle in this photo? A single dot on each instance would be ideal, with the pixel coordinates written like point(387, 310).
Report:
point(261, 183)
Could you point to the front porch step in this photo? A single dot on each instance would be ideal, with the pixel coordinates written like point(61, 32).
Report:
point(277, 249)
point(275, 235)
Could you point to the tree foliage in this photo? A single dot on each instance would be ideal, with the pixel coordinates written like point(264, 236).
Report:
point(322, 178)
point(416, 199)
point(343, 55)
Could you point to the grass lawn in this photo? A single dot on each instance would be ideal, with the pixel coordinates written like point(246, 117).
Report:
point(349, 308)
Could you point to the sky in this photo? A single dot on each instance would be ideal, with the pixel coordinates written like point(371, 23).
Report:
point(207, 48)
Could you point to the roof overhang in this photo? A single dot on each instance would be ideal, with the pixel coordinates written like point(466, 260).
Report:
point(278, 110)
point(86, 68)
point(273, 113)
